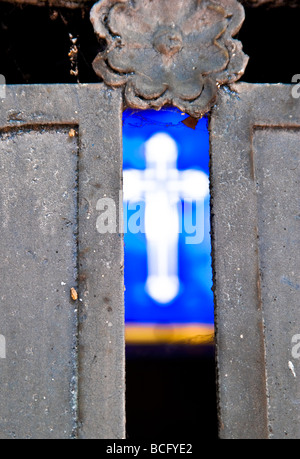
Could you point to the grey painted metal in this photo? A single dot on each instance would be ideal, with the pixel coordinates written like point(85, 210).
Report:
point(38, 247)
point(63, 376)
point(255, 134)
point(277, 171)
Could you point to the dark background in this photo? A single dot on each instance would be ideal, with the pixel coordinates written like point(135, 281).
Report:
point(34, 44)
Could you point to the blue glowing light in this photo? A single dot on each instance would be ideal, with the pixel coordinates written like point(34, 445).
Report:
point(166, 167)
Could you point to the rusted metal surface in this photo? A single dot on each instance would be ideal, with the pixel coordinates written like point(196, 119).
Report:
point(62, 312)
point(161, 54)
point(255, 137)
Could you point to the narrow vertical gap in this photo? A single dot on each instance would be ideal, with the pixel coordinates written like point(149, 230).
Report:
point(169, 326)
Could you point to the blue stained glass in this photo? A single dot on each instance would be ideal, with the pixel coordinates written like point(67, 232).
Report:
point(193, 300)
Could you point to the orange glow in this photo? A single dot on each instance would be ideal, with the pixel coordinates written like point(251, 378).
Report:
point(187, 334)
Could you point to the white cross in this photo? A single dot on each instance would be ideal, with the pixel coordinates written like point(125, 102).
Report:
point(162, 186)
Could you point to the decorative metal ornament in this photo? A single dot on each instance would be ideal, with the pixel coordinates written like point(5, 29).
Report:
point(175, 52)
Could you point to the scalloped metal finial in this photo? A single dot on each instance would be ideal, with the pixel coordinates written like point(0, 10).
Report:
point(175, 52)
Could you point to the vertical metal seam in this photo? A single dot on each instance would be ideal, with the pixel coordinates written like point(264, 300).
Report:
point(259, 292)
point(75, 377)
point(214, 276)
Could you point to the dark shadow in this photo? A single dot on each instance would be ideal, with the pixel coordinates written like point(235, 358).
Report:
point(171, 392)
point(35, 44)
point(271, 37)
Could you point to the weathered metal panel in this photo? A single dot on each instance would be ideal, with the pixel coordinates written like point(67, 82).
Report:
point(101, 271)
point(277, 172)
point(255, 132)
point(38, 264)
point(63, 375)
